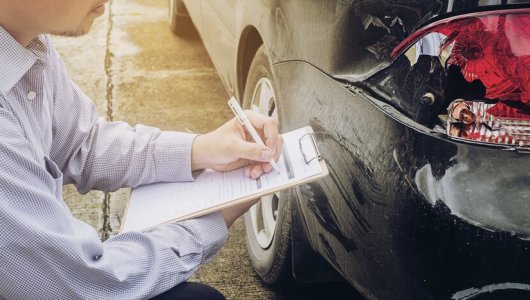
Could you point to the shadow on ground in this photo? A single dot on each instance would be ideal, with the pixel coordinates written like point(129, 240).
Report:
point(335, 291)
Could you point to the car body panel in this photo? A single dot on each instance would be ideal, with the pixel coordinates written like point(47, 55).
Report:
point(399, 215)
point(217, 22)
point(370, 218)
point(363, 32)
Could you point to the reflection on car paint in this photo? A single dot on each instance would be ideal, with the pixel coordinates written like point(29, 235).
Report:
point(489, 289)
point(501, 204)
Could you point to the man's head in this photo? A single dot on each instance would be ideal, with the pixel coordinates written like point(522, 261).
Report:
point(25, 19)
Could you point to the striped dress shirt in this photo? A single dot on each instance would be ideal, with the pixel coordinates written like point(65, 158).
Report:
point(50, 135)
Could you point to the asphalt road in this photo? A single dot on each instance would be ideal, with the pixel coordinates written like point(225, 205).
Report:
point(136, 71)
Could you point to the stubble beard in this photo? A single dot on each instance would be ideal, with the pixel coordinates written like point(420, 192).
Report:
point(80, 30)
point(74, 33)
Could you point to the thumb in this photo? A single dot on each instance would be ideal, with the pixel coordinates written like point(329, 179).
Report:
point(253, 151)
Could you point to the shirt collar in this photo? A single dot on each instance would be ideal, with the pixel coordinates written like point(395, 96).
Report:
point(16, 60)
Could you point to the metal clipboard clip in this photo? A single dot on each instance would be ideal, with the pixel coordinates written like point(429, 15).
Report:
point(311, 153)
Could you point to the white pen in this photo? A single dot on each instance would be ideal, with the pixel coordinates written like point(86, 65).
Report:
point(240, 114)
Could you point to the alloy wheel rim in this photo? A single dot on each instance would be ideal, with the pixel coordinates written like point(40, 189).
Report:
point(264, 213)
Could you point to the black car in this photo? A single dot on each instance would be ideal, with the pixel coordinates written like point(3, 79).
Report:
point(422, 112)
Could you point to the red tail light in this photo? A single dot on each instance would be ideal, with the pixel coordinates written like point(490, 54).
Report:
point(493, 48)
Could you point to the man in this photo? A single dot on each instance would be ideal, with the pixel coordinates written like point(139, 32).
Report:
point(50, 135)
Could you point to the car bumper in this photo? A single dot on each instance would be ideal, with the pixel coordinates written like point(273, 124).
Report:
point(406, 214)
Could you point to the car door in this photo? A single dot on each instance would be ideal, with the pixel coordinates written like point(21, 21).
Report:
point(220, 37)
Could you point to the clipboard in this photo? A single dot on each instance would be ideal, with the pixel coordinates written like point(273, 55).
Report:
point(155, 204)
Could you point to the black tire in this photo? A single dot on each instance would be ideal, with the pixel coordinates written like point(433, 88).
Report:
point(272, 263)
point(179, 20)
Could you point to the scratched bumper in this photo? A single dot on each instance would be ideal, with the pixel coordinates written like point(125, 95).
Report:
point(406, 214)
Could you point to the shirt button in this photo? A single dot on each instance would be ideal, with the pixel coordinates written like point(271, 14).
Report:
point(32, 95)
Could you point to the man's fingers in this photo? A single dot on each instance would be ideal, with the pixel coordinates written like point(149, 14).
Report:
point(256, 171)
point(253, 151)
point(270, 133)
point(257, 119)
point(278, 149)
point(266, 167)
point(267, 126)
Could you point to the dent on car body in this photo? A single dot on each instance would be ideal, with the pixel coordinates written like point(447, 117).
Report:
point(395, 217)
point(484, 186)
point(357, 203)
point(486, 190)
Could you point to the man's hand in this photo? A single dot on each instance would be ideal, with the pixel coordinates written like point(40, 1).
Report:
point(230, 147)
point(232, 213)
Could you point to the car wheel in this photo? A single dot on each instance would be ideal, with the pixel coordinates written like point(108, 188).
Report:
point(268, 223)
point(179, 20)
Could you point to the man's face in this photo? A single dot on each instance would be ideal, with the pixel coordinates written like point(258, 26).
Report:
point(61, 17)
point(78, 16)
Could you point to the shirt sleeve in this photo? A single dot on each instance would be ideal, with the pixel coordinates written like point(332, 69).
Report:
point(95, 154)
point(48, 254)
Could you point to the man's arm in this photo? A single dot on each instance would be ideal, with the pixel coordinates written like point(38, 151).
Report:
point(47, 254)
point(96, 154)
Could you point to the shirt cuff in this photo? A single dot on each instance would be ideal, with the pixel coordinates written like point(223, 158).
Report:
point(211, 231)
point(173, 156)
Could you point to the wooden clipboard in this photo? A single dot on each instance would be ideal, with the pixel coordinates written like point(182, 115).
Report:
point(159, 203)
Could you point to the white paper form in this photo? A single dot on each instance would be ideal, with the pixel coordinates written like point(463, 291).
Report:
point(157, 203)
